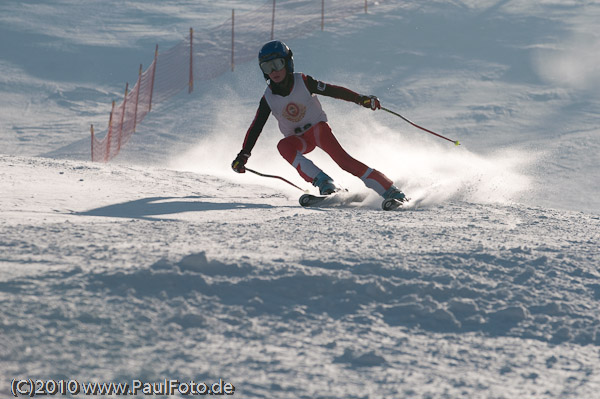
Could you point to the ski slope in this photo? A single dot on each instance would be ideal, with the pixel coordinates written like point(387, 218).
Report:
point(167, 265)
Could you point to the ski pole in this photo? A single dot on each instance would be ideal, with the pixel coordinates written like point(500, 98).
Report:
point(276, 177)
point(420, 127)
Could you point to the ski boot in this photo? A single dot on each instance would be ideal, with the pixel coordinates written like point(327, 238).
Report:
point(325, 184)
point(393, 198)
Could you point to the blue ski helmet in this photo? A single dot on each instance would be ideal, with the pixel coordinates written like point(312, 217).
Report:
point(276, 49)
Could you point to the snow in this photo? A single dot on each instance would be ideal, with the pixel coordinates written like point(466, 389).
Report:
point(166, 264)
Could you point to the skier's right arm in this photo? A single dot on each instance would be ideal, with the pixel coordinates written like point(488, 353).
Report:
point(262, 114)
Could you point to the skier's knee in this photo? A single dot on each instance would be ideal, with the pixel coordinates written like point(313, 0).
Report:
point(286, 150)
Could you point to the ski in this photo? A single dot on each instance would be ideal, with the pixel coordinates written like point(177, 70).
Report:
point(391, 204)
point(339, 198)
point(342, 198)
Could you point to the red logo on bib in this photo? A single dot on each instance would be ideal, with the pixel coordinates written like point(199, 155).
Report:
point(294, 112)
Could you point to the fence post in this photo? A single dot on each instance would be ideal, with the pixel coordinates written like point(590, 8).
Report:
point(232, 38)
point(366, 6)
point(191, 88)
point(137, 98)
point(273, 21)
point(152, 81)
point(322, 15)
point(109, 134)
point(92, 131)
point(122, 118)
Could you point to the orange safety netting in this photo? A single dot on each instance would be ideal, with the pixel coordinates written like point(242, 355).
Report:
point(235, 41)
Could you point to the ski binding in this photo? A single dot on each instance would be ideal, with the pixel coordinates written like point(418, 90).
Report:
point(391, 204)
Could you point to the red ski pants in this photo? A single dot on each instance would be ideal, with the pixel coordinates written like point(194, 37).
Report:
point(293, 148)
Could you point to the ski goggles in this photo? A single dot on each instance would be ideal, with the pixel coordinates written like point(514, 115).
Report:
point(276, 64)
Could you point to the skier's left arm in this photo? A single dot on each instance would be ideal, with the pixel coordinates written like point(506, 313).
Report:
point(262, 114)
point(318, 87)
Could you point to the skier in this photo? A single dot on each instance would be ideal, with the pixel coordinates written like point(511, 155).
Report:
point(291, 97)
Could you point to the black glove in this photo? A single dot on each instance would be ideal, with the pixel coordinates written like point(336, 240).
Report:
point(369, 102)
point(238, 164)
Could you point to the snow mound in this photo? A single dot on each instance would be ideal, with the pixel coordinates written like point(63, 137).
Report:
point(464, 295)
